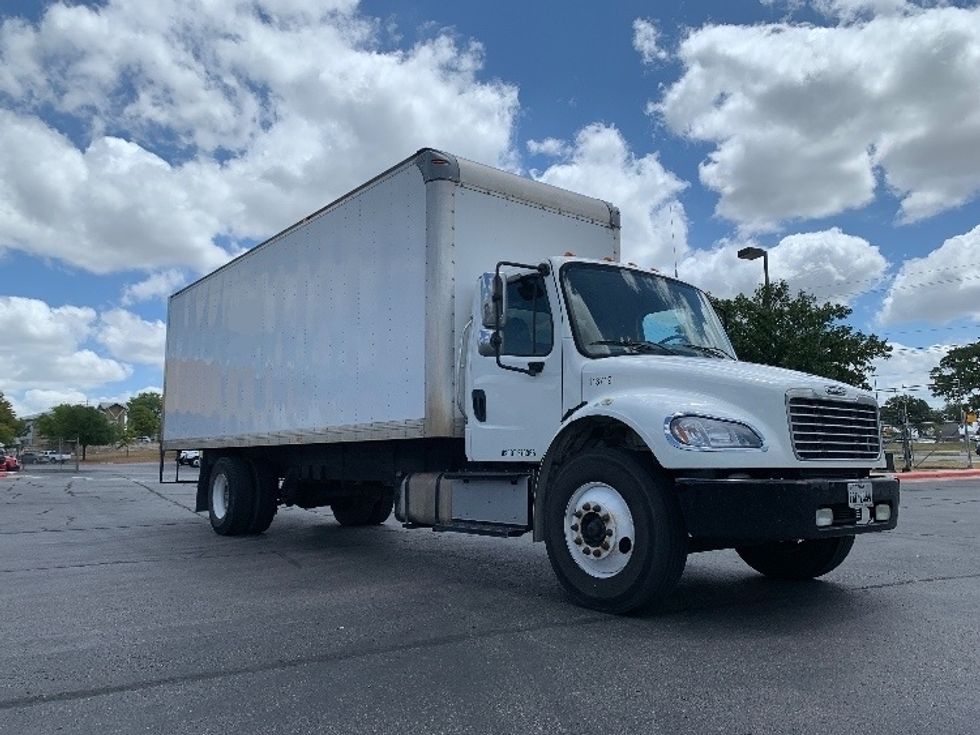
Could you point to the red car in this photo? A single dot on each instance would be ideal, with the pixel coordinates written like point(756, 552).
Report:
point(9, 462)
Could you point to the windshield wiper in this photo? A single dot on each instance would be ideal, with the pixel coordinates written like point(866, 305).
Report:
point(639, 345)
point(707, 349)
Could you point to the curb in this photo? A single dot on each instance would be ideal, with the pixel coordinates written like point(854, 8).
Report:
point(937, 475)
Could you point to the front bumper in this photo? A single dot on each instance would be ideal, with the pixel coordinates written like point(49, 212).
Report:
point(732, 511)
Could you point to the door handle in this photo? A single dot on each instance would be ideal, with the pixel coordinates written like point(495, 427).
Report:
point(479, 405)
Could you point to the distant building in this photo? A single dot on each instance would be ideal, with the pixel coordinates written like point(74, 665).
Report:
point(115, 413)
point(31, 436)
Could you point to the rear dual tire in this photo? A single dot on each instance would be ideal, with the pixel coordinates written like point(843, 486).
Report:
point(364, 511)
point(241, 499)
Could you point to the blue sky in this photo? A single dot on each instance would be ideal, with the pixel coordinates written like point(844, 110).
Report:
point(143, 145)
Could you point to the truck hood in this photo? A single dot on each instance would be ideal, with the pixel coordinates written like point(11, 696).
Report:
point(696, 374)
point(645, 391)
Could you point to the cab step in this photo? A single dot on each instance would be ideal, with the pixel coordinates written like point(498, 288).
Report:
point(482, 529)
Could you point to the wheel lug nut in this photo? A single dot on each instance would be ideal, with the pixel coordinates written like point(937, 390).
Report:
point(597, 508)
point(587, 506)
point(586, 551)
point(596, 552)
point(605, 546)
point(578, 540)
point(608, 532)
point(605, 517)
point(578, 514)
point(574, 526)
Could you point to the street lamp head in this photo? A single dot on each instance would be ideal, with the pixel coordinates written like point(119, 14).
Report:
point(751, 253)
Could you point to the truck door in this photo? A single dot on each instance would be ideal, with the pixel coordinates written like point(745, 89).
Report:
point(511, 416)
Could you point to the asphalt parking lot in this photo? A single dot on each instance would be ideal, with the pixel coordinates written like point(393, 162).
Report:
point(121, 612)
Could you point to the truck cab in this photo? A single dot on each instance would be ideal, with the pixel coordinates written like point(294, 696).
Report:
point(653, 438)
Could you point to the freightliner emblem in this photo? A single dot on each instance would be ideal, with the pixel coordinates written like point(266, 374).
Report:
point(835, 390)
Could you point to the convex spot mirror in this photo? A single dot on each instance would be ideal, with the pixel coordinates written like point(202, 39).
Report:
point(485, 342)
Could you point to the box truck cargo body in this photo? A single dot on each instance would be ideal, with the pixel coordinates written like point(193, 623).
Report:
point(462, 343)
point(343, 327)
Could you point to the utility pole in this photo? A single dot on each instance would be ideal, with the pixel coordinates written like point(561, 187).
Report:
point(906, 436)
point(966, 440)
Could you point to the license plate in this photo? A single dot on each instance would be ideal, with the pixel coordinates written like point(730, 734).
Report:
point(859, 494)
point(859, 497)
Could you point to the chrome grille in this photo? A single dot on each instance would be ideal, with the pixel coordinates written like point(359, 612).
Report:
point(829, 429)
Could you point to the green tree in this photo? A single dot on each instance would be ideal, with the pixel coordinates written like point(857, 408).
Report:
point(143, 414)
point(85, 423)
point(10, 426)
point(919, 412)
point(957, 378)
point(773, 327)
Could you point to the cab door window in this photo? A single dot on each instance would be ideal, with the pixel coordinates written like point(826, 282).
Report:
point(528, 330)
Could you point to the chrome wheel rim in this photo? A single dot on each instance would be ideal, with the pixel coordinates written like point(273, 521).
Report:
point(219, 496)
point(599, 530)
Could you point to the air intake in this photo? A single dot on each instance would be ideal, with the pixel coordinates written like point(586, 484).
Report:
point(830, 429)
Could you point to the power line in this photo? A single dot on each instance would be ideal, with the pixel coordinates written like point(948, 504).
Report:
point(877, 279)
point(909, 287)
point(925, 330)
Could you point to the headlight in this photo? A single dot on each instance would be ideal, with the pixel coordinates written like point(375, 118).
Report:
point(699, 432)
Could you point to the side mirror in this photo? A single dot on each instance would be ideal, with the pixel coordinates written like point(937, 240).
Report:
point(493, 297)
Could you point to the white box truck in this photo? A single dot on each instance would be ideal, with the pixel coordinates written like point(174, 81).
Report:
point(464, 344)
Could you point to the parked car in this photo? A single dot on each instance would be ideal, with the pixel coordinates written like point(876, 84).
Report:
point(9, 463)
point(189, 456)
point(32, 457)
point(50, 455)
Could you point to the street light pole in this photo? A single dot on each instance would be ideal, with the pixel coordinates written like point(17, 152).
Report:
point(753, 253)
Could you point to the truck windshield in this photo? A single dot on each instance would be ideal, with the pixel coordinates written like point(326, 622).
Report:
point(621, 311)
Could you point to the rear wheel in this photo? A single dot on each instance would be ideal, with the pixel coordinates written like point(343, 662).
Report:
point(614, 532)
point(797, 559)
point(266, 500)
point(372, 511)
point(231, 496)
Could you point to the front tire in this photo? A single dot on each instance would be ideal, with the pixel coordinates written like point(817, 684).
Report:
point(797, 559)
point(614, 531)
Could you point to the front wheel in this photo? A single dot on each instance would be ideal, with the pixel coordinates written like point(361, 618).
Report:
point(797, 559)
point(615, 535)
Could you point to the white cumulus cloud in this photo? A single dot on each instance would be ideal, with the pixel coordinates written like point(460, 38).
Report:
point(157, 285)
point(190, 125)
point(907, 371)
point(110, 207)
point(942, 286)
point(810, 121)
point(646, 41)
point(36, 400)
point(129, 338)
point(830, 264)
point(600, 163)
point(43, 348)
